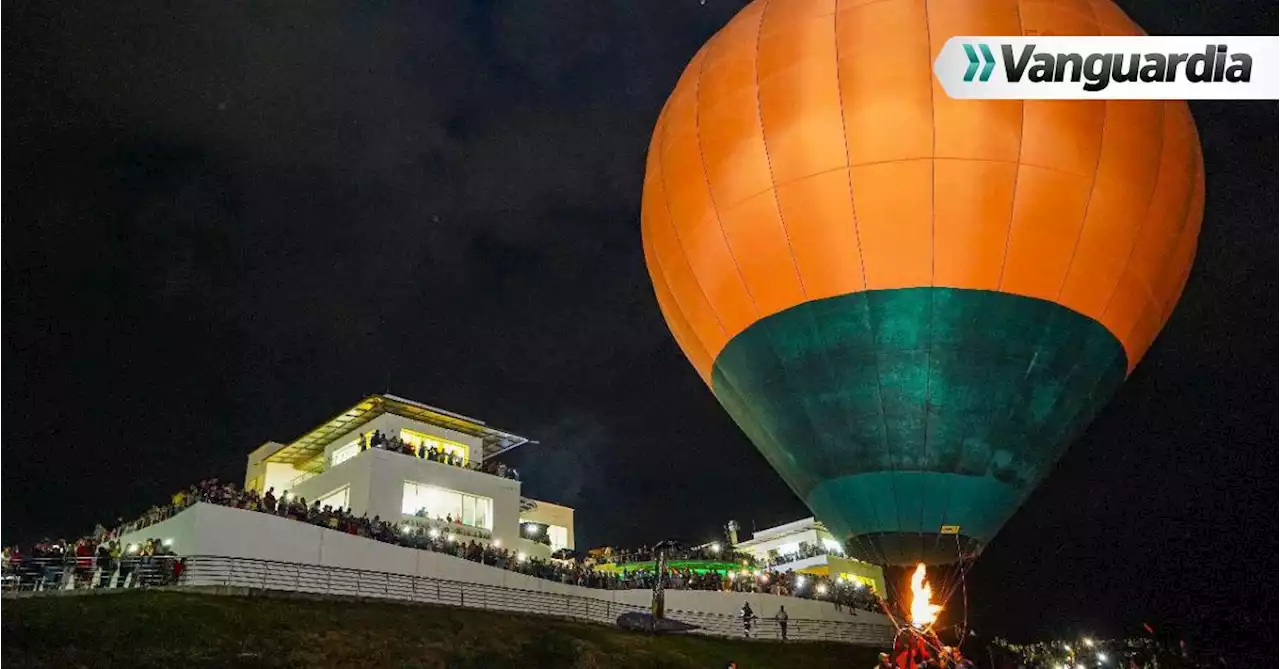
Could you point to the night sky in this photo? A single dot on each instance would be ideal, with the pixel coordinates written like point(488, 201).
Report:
point(226, 223)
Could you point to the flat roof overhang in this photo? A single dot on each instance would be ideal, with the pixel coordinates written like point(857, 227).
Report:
point(305, 452)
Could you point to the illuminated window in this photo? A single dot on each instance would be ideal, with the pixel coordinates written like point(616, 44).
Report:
point(788, 549)
point(435, 502)
point(559, 536)
point(338, 499)
point(832, 546)
point(345, 453)
point(421, 441)
point(862, 581)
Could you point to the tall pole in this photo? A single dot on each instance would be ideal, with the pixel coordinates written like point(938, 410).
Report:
point(658, 606)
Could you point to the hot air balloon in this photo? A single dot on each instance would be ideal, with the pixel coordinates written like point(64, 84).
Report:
point(911, 304)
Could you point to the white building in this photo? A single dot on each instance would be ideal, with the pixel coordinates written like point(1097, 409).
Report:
point(807, 547)
point(333, 464)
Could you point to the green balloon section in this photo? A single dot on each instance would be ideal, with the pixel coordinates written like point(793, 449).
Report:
point(896, 413)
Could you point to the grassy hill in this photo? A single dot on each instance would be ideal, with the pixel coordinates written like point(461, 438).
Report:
point(174, 629)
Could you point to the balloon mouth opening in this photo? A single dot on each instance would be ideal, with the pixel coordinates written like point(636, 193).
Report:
point(912, 548)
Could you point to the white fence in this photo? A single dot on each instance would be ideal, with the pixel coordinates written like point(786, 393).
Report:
point(267, 575)
point(27, 575)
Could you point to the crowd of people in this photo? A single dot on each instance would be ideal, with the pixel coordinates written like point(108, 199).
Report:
point(805, 551)
point(450, 536)
point(396, 444)
point(1143, 652)
point(91, 562)
point(674, 552)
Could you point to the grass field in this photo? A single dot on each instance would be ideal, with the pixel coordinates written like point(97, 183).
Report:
point(173, 629)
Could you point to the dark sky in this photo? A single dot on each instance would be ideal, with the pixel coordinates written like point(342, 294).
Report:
point(229, 221)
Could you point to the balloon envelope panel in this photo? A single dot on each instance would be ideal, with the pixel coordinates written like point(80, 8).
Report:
point(911, 304)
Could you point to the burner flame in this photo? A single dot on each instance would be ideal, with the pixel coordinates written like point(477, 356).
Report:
point(923, 611)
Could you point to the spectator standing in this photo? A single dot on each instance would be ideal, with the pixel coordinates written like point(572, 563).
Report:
point(782, 618)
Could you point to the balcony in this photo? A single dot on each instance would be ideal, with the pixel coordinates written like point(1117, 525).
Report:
point(492, 469)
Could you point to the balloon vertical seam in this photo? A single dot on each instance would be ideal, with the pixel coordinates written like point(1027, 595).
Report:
point(706, 179)
point(848, 160)
point(675, 230)
point(768, 160)
point(1137, 235)
point(1022, 141)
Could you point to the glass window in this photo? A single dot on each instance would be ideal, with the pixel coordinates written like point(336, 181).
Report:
point(434, 502)
point(421, 441)
point(338, 499)
point(345, 453)
point(559, 536)
point(484, 512)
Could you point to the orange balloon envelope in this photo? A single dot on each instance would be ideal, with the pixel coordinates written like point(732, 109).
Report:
point(911, 304)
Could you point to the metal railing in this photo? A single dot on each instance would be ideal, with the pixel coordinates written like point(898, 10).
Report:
point(299, 479)
point(267, 575)
point(79, 573)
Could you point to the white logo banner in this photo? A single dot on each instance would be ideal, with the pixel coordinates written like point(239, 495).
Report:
point(1110, 68)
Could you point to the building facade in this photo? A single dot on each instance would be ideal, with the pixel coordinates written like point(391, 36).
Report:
point(462, 493)
point(807, 547)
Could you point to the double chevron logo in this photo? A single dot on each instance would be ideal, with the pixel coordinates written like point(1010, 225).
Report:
point(988, 62)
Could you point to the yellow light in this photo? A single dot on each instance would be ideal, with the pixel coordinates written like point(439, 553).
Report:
point(131, 548)
point(799, 581)
point(421, 440)
point(167, 543)
point(450, 538)
point(923, 611)
point(497, 543)
point(822, 588)
point(1102, 657)
point(433, 533)
point(521, 557)
point(715, 547)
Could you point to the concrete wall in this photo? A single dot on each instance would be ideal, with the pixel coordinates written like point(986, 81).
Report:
point(267, 474)
point(205, 529)
point(842, 565)
point(788, 543)
point(355, 473)
point(280, 475)
point(377, 480)
point(552, 514)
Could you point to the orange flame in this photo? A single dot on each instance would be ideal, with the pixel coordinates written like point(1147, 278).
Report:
point(923, 611)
